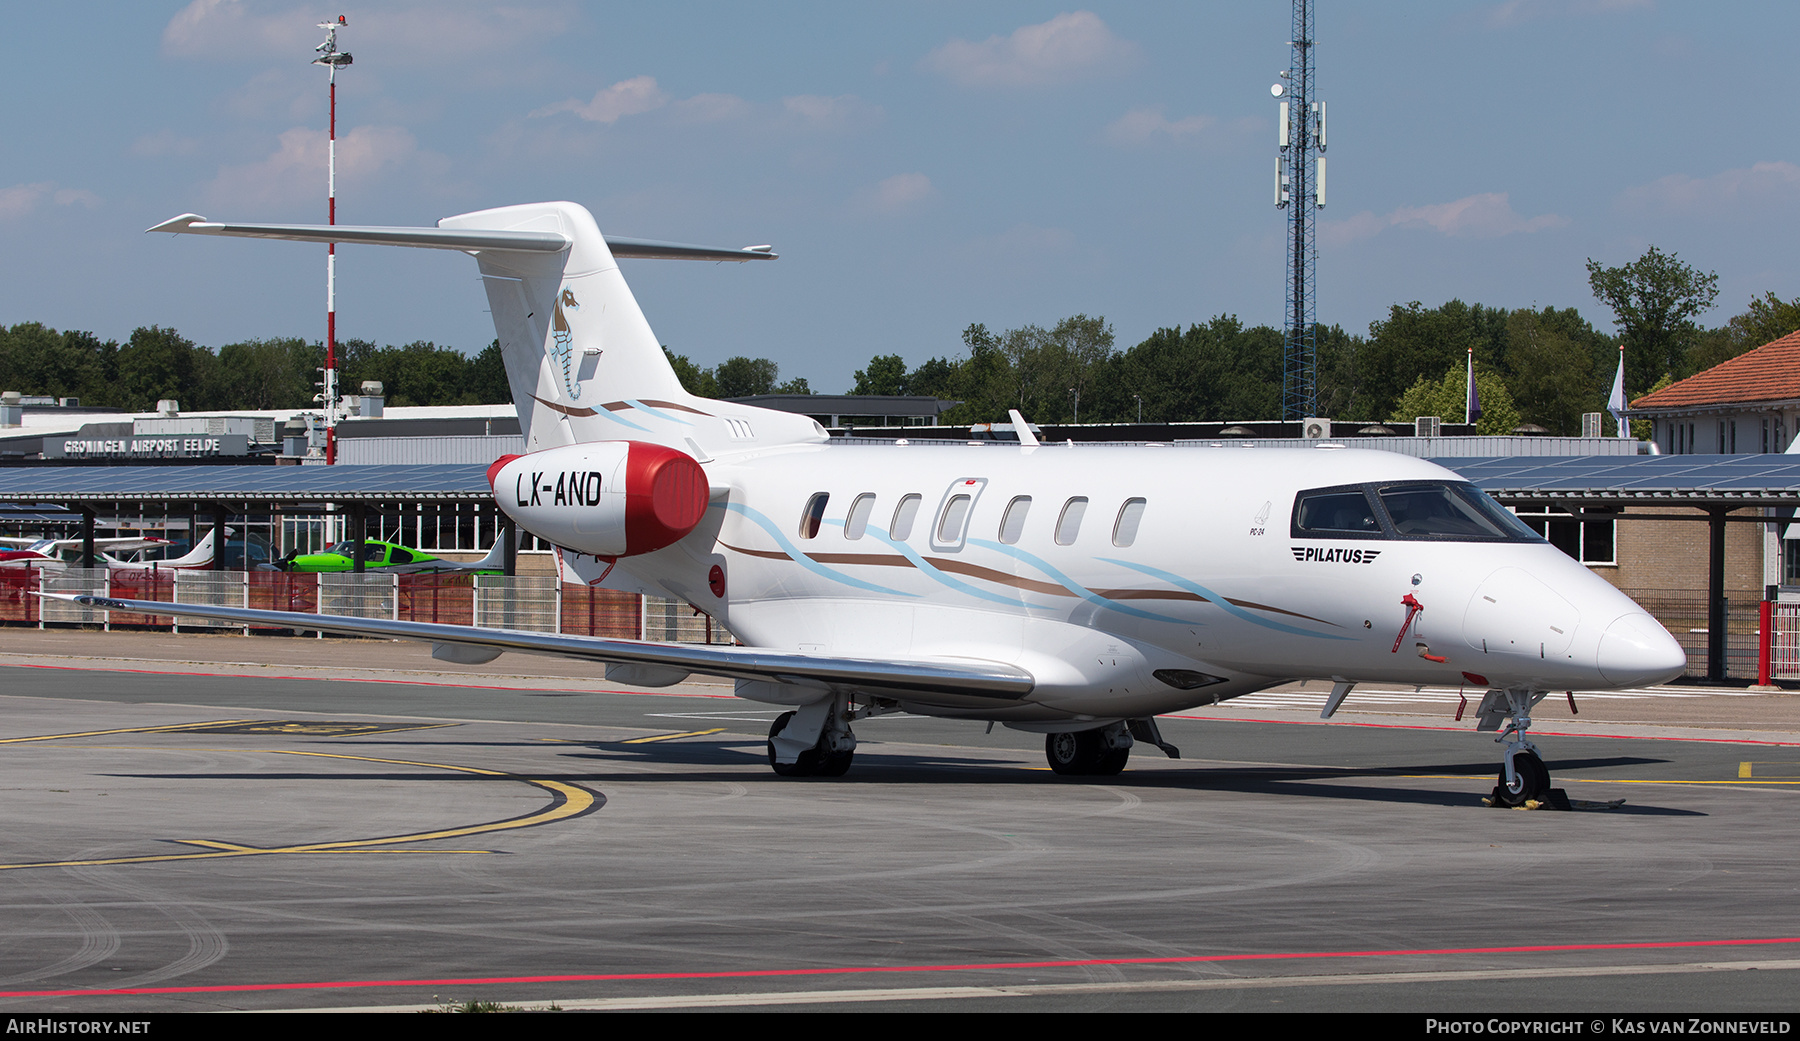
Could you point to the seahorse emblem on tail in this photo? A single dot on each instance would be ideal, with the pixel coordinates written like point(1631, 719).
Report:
point(563, 341)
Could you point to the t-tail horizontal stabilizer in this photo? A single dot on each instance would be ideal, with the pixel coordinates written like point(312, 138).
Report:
point(466, 239)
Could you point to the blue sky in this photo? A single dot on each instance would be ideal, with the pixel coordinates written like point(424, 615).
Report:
point(919, 166)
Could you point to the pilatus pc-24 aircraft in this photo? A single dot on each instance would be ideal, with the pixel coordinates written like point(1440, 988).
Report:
point(1077, 592)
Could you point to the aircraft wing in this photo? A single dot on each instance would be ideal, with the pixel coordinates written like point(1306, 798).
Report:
point(118, 544)
point(961, 677)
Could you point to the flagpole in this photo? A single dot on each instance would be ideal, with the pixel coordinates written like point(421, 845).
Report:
point(1469, 392)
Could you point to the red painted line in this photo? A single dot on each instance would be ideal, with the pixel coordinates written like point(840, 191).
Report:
point(347, 679)
point(847, 970)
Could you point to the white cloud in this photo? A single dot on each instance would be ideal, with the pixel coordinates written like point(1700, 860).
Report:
point(898, 193)
point(1485, 216)
point(631, 97)
point(1679, 194)
point(21, 199)
point(710, 108)
point(832, 113)
point(641, 94)
point(1516, 12)
point(296, 170)
point(1141, 124)
point(227, 29)
point(1068, 47)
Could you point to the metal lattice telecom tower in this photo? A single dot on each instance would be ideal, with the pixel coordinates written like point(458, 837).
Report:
point(1300, 190)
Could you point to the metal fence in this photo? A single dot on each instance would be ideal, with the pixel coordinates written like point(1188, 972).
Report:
point(1784, 648)
point(535, 604)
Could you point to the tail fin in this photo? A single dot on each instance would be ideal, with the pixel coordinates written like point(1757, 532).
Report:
point(200, 556)
point(578, 350)
point(582, 362)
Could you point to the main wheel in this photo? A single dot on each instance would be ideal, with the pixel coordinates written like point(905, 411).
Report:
point(1530, 781)
point(805, 766)
point(1082, 753)
point(1111, 762)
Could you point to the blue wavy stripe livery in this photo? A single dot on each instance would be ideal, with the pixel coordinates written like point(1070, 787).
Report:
point(802, 559)
point(658, 413)
point(957, 584)
point(1075, 587)
point(1224, 605)
point(616, 418)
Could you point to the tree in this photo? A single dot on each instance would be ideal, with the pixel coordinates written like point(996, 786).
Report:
point(1220, 370)
point(1552, 356)
point(1415, 342)
point(886, 374)
point(694, 379)
point(158, 363)
point(1654, 300)
point(1764, 321)
point(1446, 399)
point(487, 376)
point(742, 377)
point(268, 373)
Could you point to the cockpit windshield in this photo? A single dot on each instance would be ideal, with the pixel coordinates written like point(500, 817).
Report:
point(1421, 510)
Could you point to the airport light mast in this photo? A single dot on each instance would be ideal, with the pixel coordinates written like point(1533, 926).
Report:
point(1300, 190)
point(333, 59)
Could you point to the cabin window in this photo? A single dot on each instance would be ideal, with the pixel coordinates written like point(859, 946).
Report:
point(814, 515)
point(1336, 514)
point(858, 520)
point(1012, 522)
point(1441, 510)
point(1125, 529)
point(1435, 510)
point(950, 523)
point(1068, 526)
point(903, 517)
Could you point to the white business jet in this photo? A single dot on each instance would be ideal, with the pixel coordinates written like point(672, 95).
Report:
point(1074, 591)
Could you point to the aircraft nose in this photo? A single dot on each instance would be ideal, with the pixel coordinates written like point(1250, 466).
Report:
point(1636, 650)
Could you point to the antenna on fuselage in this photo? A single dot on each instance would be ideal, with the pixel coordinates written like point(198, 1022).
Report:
point(1027, 439)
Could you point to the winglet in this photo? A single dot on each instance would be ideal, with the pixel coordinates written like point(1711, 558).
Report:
point(185, 222)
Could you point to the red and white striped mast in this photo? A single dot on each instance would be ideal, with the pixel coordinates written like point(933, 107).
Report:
point(332, 59)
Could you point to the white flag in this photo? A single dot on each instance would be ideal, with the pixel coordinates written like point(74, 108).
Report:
point(1616, 403)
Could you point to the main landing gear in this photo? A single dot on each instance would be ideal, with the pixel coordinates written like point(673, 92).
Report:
point(1524, 778)
point(1103, 751)
point(1088, 753)
point(815, 740)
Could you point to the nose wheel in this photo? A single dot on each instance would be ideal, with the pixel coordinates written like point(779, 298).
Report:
point(1529, 780)
point(1524, 779)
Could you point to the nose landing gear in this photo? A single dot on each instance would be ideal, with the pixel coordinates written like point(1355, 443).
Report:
point(1524, 779)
